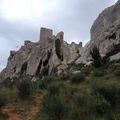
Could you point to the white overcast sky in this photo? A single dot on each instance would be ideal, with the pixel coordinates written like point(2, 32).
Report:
point(21, 20)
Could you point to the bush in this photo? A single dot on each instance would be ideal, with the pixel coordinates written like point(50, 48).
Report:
point(99, 73)
point(58, 49)
point(98, 104)
point(79, 66)
point(46, 82)
point(3, 100)
point(48, 79)
point(117, 73)
point(76, 66)
point(110, 92)
point(42, 84)
point(87, 70)
point(78, 78)
point(53, 107)
point(25, 89)
point(77, 107)
point(7, 95)
point(113, 66)
point(24, 68)
point(65, 76)
point(96, 57)
point(3, 116)
point(53, 89)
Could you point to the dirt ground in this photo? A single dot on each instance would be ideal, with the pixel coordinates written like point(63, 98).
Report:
point(28, 114)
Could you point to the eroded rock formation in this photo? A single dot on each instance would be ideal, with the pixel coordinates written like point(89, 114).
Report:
point(51, 54)
point(41, 58)
point(105, 33)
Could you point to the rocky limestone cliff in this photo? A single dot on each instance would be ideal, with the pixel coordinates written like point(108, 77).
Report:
point(105, 34)
point(51, 54)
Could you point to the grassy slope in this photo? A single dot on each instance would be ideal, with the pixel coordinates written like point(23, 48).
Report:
point(88, 109)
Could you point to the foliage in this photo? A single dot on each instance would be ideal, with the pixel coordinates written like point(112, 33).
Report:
point(53, 89)
point(25, 89)
point(99, 73)
point(2, 100)
point(117, 73)
point(76, 66)
point(3, 116)
point(96, 57)
point(52, 105)
point(7, 95)
point(110, 92)
point(77, 78)
point(24, 68)
point(87, 70)
point(98, 104)
point(42, 84)
point(96, 98)
point(58, 49)
point(64, 76)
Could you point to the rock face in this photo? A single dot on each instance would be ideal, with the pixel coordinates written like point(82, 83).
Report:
point(44, 57)
point(105, 33)
point(51, 54)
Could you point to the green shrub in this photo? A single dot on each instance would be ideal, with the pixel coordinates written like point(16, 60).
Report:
point(77, 78)
point(3, 116)
point(53, 89)
point(77, 107)
point(3, 100)
point(97, 60)
point(53, 107)
point(113, 66)
point(7, 83)
point(110, 92)
point(58, 49)
point(117, 73)
point(46, 82)
point(87, 70)
point(76, 66)
point(79, 66)
point(65, 76)
point(24, 68)
point(25, 89)
point(48, 79)
point(42, 84)
point(99, 73)
point(7, 95)
point(98, 104)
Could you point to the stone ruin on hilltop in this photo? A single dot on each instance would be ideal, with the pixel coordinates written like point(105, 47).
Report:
point(52, 54)
point(49, 55)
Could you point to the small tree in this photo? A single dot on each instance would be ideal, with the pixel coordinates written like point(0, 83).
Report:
point(58, 49)
point(53, 107)
point(25, 89)
point(24, 68)
point(96, 57)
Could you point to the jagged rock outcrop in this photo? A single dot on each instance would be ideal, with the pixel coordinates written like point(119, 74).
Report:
point(44, 57)
point(105, 33)
point(51, 54)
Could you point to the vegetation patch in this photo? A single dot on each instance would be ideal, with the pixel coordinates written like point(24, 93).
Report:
point(77, 78)
point(25, 89)
point(24, 68)
point(58, 49)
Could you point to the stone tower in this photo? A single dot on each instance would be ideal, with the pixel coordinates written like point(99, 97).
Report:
point(45, 37)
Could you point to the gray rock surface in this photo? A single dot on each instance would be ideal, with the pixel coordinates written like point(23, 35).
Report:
point(52, 54)
point(105, 33)
point(38, 59)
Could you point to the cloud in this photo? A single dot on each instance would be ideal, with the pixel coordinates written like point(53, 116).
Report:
point(22, 19)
